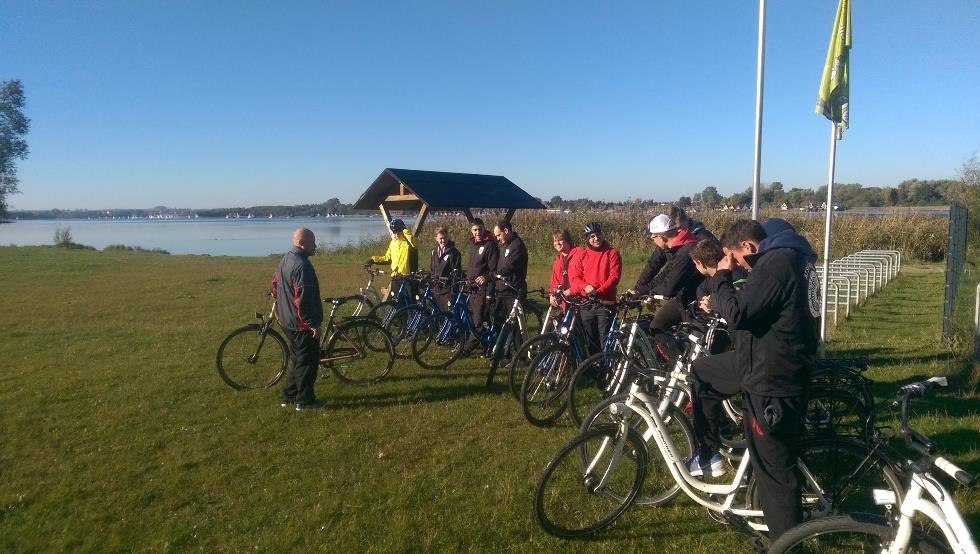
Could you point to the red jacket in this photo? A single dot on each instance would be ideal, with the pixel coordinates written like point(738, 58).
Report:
point(600, 268)
point(561, 268)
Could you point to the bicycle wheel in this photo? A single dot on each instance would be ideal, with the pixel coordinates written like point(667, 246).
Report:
point(533, 318)
point(507, 343)
point(849, 533)
point(402, 326)
point(659, 486)
point(359, 352)
point(543, 390)
point(837, 411)
point(590, 482)
point(438, 341)
point(590, 382)
point(248, 359)
point(845, 471)
point(381, 313)
point(526, 353)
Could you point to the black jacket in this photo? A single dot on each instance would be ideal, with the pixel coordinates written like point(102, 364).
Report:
point(660, 258)
point(775, 316)
point(512, 266)
point(481, 257)
point(680, 278)
point(297, 291)
point(450, 260)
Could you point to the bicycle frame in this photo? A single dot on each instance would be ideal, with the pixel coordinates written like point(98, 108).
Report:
point(927, 496)
point(643, 405)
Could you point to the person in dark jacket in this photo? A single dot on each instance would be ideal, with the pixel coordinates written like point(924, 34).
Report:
point(445, 260)
point(481, 254)
point(596, 272)
point(776, 330)
point(679, 280)
point(511, 268)
point(660, 257)
point(300, 312)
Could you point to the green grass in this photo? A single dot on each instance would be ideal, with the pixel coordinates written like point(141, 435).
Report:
point(117, 434)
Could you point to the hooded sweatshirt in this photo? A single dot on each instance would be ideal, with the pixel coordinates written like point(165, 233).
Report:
point(600, 267)
point(481, 256)
point(512, 266)
point(400, 255)
point(680, 279)
point(775, 316)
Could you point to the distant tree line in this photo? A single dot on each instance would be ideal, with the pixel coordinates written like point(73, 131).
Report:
point(332, 206)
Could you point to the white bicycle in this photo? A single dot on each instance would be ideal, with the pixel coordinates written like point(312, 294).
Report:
point(859, 532)
point(596, 476)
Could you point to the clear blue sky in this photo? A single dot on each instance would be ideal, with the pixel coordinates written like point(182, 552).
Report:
point(208, 104)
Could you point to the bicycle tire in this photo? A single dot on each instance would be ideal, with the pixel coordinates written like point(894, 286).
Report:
point(544, 386)
point(835, 410)
point(589, 383)
point(383, 312)
point(240, 353)
point(356, 305)
point(659, 487)
point(439, 341)
point(846, 471)
point(533, 318)
point(359, 352)
point(857, 532)
point(402, 326)
point(586, 509)
point(526, 353)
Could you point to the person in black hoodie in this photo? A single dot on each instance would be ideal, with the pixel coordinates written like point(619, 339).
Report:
point(481, 254)
point(511, 268)
point(775, 326)
point(445, 259)
point(651, 275)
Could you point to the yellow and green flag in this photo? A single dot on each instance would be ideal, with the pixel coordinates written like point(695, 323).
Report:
point(832, 99)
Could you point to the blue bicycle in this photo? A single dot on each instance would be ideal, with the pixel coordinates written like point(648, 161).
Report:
point(404, 323)
point(400, 296)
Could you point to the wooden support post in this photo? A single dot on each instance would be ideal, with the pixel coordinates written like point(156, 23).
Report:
point(510, 213)
point(384, 214)
point(423, 213)
point(468, 214)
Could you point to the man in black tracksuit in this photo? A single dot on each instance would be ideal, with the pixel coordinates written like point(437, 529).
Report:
point(445, 260)
point(661, 257)
point(511, 268)
point(776, 330)
point(300, 312)
point(481, 257)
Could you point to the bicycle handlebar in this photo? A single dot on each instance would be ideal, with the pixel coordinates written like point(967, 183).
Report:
point(921, 443)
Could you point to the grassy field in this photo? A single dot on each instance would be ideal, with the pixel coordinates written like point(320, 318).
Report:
point(117, 434)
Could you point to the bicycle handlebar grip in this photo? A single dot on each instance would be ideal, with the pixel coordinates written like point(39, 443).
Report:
point(963, 477)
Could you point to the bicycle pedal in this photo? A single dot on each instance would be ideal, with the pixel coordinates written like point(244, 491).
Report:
point(740, 523)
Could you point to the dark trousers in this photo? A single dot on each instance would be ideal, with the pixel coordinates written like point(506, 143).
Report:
point(595, 325)
point(505, 303)
point(478, 305)
point(772, 427)
point(305, 352)
point(668, 315)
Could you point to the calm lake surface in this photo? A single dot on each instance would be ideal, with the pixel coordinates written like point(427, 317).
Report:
point(217, 237)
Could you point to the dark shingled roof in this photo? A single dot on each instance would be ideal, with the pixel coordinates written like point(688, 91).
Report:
point(442, 190)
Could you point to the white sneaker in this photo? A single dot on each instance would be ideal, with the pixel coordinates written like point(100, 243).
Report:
point(713, 467)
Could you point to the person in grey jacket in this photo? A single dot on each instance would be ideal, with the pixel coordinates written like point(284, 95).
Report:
point(300, 312)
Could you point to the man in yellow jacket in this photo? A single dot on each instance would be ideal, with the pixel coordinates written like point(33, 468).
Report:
point(401, 253)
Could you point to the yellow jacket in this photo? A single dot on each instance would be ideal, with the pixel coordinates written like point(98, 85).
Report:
point(399, 254)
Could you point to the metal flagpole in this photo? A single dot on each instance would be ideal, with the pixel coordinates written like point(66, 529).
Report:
point(760, 71)
point(826, 232)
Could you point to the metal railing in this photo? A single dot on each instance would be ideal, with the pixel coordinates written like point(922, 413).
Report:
point(858, 276)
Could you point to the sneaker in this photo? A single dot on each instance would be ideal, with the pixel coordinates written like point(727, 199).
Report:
point(314, 405)
point(285, 403)
point(698, 466)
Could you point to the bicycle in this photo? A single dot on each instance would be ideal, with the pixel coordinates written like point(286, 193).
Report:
point(925, 496)
point(256, 356)
point(404, 322)
point(400, 297)
point(551, 326)
point(605, 468)
point(518, 324)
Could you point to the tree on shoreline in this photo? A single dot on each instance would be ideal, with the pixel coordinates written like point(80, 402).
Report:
point(13, 126)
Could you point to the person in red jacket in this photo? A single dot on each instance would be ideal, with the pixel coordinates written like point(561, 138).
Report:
point(566, 253)
point(595, 272)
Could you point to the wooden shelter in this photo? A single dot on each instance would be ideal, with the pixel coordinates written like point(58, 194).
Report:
point(424, 191)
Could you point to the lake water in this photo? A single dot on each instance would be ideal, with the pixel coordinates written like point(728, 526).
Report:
point(217, 237)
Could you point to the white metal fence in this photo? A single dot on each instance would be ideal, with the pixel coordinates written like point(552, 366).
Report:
point(852, 279)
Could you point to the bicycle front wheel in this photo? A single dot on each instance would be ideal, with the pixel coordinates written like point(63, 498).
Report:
point(438, 341)
point(383, 312)
point(402, 327)
point(849, 533)
point(359, 352)
point(521, 361)
point(590, 482)
point(508, 341)
point(543, 390)
point(250, 358)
